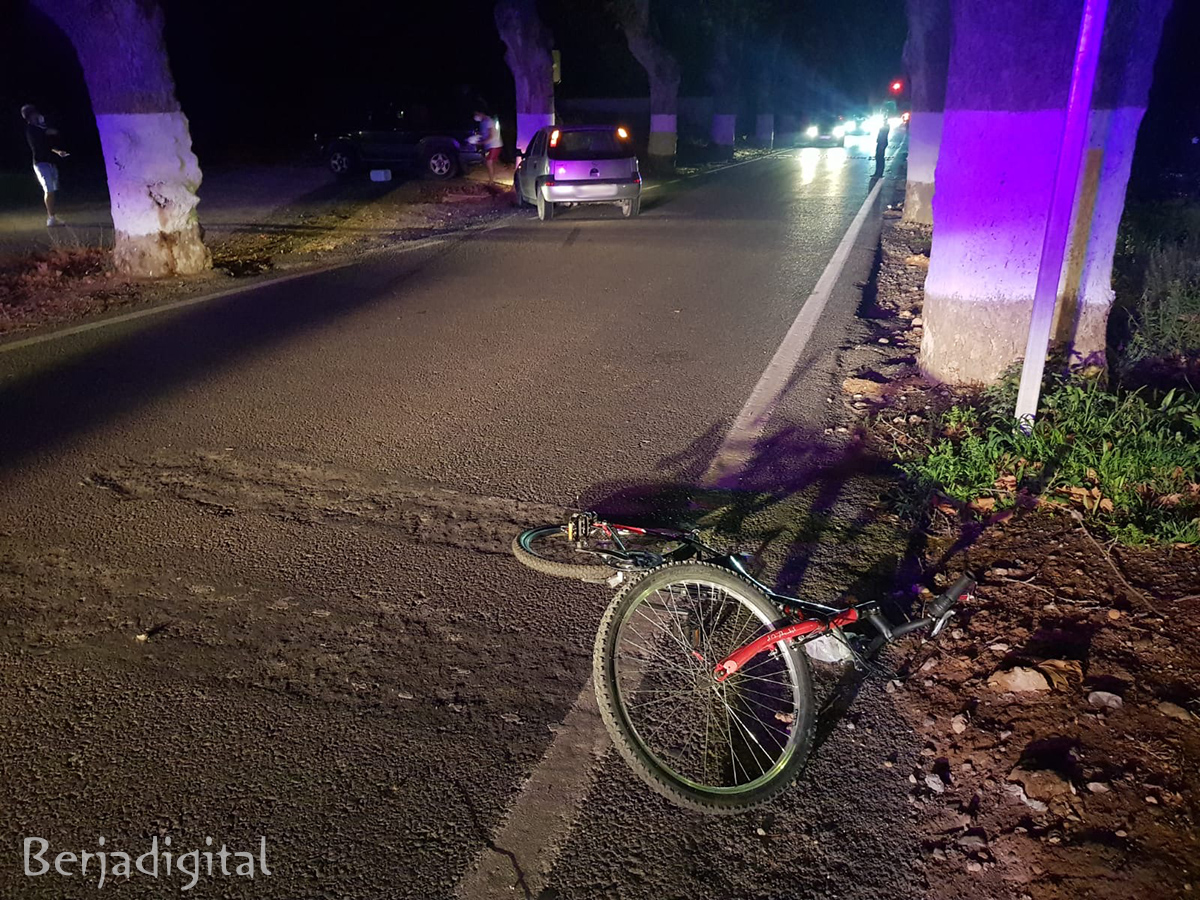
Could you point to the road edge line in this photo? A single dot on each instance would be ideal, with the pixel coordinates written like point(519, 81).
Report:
point(748, 426)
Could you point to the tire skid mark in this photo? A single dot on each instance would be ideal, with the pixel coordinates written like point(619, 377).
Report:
point(229, 485)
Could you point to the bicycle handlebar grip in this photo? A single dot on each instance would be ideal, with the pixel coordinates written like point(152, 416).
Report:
point(964, 585)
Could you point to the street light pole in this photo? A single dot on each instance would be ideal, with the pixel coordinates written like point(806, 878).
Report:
point(1062, 203)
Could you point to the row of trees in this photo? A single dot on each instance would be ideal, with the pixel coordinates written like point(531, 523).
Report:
point(989, 90)
point(730, 29)
point(153, 173)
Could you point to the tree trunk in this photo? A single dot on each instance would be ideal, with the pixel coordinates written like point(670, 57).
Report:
point(723, 78)
point(662, 71)
point(766, 52)
point(1005, 108)
point(153, 174)
point(926, 58)
point(531, 61)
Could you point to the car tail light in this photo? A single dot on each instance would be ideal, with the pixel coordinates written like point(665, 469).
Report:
point(554, 138)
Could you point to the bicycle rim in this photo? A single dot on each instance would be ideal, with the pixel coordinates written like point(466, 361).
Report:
point(552, 545)
point(716, 746)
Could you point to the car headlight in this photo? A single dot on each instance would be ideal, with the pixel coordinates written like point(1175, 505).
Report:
point(874, 123)
point(839, 131)
point(811, 131)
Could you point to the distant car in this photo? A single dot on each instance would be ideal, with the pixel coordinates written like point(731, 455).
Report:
point(823, 131)
point(862, 123)
point(579, 164)
point(407, 136)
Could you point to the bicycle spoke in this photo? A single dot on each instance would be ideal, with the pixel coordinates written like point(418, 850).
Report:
point(726, 736)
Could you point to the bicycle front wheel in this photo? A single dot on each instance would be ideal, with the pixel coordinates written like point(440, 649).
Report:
point(718, 747)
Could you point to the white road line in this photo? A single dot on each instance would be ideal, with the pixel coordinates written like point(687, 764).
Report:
point(9, 346)
point(739, 443)
point(528, 843)
point(545, 811)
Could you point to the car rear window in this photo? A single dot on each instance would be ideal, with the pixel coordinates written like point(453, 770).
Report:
point(590, 145)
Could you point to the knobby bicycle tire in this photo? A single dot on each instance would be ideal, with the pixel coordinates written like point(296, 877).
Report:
point(524, 549)
point(609, 694)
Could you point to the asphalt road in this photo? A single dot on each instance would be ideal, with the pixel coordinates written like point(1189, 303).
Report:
point(254, 580)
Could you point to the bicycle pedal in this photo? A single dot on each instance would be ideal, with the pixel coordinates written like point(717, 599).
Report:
point(615, 579)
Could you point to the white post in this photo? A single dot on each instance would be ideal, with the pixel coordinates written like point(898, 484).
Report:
point(1062, 205)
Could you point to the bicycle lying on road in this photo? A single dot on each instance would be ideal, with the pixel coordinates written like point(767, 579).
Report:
point(699, 667)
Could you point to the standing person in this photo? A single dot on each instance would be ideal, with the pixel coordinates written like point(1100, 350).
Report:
point(489, 131)
point(881, 143)
point(44, 145)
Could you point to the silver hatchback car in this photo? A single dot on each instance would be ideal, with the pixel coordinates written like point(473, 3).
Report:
point(579, 165)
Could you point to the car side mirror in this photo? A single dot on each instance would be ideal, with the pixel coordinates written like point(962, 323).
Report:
point(519, 152)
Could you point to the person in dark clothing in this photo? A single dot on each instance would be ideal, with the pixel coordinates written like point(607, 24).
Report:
point(881, 143)
point(43, 143)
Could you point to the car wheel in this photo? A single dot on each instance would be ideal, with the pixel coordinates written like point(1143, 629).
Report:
point(521, 202)
point(440, 163)
point(630, 208)
point(342, 161)
point(544, 207)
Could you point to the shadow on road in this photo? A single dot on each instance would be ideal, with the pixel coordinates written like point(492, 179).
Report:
point(809, 511)
point(59, 399)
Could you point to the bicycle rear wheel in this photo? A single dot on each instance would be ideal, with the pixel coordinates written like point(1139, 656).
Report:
point(549, 550)
point(717, 747)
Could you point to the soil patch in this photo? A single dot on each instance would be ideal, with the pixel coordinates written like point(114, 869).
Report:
point(1086, 786)
point(1061, 712)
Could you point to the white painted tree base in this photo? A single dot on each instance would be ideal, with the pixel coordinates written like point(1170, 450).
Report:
point(153, 176)
point(764, 130)
point(994, 176)
point(663, 141)
point(724, 127)
point(924, 138)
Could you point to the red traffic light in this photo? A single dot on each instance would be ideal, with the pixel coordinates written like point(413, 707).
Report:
point(897, 86)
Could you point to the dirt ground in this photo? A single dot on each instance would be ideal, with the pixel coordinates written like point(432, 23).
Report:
point(74, 281)
point(1061, 711)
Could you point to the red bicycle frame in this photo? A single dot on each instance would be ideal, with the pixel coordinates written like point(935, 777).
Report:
point(738, 658)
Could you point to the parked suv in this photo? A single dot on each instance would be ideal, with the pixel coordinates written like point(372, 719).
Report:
point(395, 135)
point(579, 164)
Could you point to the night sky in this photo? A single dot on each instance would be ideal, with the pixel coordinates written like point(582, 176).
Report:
point(258, 78)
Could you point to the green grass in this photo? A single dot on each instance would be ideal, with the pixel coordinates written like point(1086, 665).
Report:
point(1166, 319)
point(1129, 460)
point(1156, 275)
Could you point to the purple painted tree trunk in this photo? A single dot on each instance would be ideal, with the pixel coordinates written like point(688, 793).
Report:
point(531, 61)
point(926, 57)
point(765, 49)
point(723, 79)
point(153, 174)
point(1004, 114)
point(662, 71)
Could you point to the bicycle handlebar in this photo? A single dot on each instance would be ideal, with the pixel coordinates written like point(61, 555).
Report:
point(952, 595)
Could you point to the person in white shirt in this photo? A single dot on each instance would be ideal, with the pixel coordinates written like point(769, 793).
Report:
point(489, 131)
